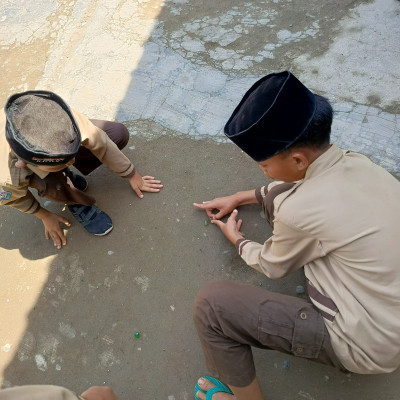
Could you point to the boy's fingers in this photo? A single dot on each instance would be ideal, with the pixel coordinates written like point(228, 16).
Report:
point(139, 193)
point(219, 215)
point(239, 224)
point(217, 222)
point(65, 221)
point(211, 215)
point(233, 215)
point(151, 189)
point(154, 186)
point(201, 206)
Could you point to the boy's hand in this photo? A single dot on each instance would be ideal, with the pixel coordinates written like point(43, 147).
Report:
point(99, 393)
point(144, 184)
point(232, 227)
point(52, 228)
point(224, 205)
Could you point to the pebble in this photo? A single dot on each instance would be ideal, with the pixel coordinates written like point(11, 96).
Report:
point(286, 364)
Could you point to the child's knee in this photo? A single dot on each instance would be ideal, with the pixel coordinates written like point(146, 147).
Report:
point(210, 299)
point(123, 135)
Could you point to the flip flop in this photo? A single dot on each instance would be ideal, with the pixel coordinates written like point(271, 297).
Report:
point(219, 387)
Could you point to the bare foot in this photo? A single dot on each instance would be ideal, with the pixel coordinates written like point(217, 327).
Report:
point(206, 385)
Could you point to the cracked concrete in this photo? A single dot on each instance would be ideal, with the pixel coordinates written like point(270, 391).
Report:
point(173, 71)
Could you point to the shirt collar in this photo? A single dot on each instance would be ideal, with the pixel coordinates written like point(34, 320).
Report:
point(324, 161)
point(41, 174)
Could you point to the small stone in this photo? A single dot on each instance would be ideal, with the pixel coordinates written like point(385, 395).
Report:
point(206, 222)
point(286, 364)
point(137, 335)
point(300, 289)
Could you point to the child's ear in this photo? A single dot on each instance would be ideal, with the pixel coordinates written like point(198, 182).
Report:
point(20, 164)
point(301, 160)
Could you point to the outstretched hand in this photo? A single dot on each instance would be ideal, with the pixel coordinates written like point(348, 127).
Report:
point(144, 184)
point(231, 229)
point(52, 227)
point(224, 205)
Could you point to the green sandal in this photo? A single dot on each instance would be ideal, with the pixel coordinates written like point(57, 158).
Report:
point(219, 387)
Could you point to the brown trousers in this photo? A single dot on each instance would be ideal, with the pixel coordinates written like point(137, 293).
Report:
point(55, 186)
point(230, 317)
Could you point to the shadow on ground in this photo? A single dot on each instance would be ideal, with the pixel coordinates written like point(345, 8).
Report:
point(143, 278)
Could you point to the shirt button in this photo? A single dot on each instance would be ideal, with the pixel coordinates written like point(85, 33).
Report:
point(299, 350)
point(303, 315)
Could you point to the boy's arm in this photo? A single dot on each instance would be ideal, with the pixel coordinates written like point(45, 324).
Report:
point(227, 204)
point(288, 250)
point(18, 197)
point(97, 141)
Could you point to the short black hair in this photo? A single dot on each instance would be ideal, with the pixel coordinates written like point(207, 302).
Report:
point(317, 134)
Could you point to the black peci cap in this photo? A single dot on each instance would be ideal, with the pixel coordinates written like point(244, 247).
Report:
point(272, 115)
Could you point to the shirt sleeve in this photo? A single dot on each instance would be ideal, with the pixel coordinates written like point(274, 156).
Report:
point(98, 142)
point(18, 197)
point(286, 251)
point(38, 392)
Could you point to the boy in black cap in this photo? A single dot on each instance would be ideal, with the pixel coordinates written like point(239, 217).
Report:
point(333, 212)
point(42, 138)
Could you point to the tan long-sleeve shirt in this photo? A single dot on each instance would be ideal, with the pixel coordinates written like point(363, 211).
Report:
point(342, 223)
point(14, 182)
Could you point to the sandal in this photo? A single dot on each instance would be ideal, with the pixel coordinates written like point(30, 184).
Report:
point(219, 387)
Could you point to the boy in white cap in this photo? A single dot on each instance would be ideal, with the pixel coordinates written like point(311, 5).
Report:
point(41, 138)
point(333, 212)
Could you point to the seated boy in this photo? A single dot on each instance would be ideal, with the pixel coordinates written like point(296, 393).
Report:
point(336, 214)
point(41, 138)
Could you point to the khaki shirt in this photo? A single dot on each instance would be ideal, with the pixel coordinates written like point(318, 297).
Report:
point(342, 223)
point(14, 182)
point(38, 392)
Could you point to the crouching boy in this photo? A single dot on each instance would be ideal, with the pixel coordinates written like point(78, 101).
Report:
point(41, 137)
point(333, 212)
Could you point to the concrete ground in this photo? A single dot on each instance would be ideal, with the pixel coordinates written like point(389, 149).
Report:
point(173, 71)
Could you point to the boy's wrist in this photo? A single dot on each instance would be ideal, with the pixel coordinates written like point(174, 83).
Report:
point(245, 197)
point(41, 213)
